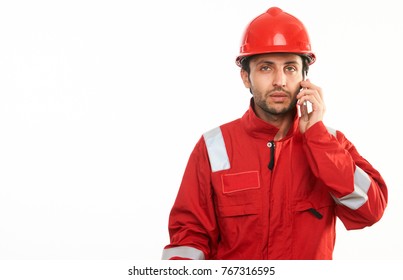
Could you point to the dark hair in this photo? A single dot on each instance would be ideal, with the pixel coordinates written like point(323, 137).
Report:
point(245, 63)
point(305, 64)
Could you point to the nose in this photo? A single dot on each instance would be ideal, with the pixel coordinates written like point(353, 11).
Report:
point(279, 79)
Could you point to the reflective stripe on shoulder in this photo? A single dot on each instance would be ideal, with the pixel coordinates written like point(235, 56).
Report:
point(332, 131)
point(359, 196)
point(183, 252)
point(216, 149)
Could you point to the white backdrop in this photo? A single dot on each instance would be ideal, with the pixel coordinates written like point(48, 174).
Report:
point(101, 103)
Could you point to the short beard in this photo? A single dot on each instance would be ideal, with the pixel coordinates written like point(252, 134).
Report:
point(272, 111)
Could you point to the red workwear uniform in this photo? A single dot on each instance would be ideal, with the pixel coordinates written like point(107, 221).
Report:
point(246, 196)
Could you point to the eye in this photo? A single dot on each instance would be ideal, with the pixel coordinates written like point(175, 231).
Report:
point(291, 69)
point(265, 68)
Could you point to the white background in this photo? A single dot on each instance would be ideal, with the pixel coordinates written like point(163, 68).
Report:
point(101, 103)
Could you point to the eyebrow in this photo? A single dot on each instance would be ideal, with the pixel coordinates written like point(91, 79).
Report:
point(271, 62)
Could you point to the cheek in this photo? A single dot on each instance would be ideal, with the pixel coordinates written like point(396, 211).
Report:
point(294, 85)
point(260, 81)
point(295, 92)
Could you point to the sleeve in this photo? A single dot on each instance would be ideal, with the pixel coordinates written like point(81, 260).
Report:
point(192, 223)
point(358, 189)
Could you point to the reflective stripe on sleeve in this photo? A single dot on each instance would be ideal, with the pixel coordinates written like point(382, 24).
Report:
point(216, 150)
point(359, 196)
point(183, 252)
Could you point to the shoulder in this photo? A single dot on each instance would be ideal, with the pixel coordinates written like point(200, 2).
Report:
point(222, 128)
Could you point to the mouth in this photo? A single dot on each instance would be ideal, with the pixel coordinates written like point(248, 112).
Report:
point(278, 97)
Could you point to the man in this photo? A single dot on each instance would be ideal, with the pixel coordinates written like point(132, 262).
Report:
point(271, 184)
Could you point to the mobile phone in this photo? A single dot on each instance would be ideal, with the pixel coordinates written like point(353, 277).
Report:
point(304, 107)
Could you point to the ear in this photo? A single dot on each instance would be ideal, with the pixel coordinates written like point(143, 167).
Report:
point(245, 78)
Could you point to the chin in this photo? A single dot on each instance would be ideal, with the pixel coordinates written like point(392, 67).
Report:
point(282, 110)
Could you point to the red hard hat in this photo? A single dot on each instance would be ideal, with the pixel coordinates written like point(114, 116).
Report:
point(275, 31)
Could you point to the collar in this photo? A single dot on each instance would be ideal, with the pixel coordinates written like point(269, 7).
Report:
point(258, 128)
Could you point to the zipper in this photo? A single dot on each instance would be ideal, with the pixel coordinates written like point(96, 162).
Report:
point(272, 147)
point(270, 166)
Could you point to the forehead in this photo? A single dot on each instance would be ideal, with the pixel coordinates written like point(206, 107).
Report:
point(279, 58)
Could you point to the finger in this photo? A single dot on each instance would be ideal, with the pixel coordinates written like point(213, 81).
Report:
point(308, 92)
point(304, 94)
point(314, 99)
point(317, 89)
point(307, 84)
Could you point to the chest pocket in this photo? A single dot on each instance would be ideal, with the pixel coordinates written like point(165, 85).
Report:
point(239, 218)
point(239, 195)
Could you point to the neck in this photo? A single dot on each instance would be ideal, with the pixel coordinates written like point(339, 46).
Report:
point(282, 121)
point(283, 126)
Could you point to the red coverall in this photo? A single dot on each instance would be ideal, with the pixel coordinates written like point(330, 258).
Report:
point(245, 196)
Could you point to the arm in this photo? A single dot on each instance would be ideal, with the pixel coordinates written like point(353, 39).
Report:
point(358, 189)
point(192, 225)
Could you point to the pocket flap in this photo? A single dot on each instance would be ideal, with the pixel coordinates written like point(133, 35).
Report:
point(240, 181)
point(306, 205)
point(238, 210)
